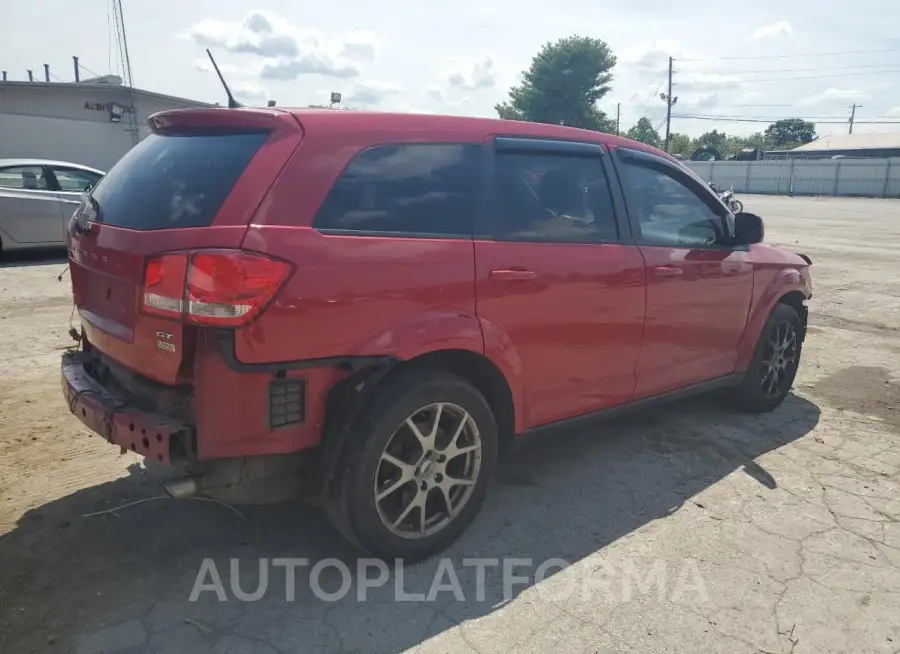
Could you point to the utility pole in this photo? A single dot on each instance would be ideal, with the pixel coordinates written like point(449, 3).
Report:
point(669, 102)
point(125, 62)
point(853, 109)
point(618, 115)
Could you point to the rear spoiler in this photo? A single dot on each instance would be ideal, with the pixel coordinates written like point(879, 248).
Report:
point(221, 118)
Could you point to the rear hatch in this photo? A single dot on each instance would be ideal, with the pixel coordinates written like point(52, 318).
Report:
point(170, 214)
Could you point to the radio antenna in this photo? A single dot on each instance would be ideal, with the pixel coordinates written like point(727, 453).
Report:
point(232, 103)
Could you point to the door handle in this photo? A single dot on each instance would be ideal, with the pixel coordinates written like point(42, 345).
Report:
point(511, 275)
point(667, 271)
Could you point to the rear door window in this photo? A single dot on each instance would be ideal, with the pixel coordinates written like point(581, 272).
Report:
point(553, 198)
point(27, 178)
point(415, 189)
point(170, 181)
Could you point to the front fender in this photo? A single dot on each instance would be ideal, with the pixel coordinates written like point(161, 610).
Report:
point(786, 280)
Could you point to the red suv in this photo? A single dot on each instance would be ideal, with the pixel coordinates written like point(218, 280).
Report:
point(377, 304)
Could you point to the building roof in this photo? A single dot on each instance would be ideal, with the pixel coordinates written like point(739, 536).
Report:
point(101, 86)
point(886, 141)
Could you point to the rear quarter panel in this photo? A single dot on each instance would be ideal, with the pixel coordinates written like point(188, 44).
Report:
point(356, 295)
point(361, 295)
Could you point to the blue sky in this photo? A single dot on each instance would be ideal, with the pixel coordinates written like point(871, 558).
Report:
point(461, 57)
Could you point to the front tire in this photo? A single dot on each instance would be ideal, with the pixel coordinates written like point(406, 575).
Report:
point(737, 206)
point(771, 374)
point(415, 470)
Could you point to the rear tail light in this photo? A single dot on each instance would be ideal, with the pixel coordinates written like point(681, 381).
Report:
point(221, 288)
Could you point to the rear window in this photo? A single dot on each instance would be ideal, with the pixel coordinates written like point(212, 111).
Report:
point(174, 180)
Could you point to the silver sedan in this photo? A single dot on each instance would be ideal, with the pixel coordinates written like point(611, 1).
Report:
point(37, 198)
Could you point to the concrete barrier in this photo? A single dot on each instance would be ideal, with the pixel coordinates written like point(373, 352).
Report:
point(878, 178)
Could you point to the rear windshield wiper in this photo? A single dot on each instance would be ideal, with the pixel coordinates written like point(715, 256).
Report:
point(81, 220)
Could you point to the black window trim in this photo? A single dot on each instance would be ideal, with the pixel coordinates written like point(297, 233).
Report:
point(486, 228)
point(539, 145)
point(627, 155)
point(454, 236)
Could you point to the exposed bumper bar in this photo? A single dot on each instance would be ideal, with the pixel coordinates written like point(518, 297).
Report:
point(153, 435)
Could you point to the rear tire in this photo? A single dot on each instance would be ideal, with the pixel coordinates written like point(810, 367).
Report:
point(414, 472)
point(776, 359)
point(737, 206)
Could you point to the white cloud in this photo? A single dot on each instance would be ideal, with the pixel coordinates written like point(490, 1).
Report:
point(464, 101)
point(227, 69)
point(250, 93)
point(893, 112)
point(435, 92)
point(832, 95)
point(311, 63)
point(651, 60)
point(288, 51)
point(778, 30)
point(359, 45)
point(410, 109)
point(371, 92)
point(472, 76)
point(261, 33)
point(707, 82)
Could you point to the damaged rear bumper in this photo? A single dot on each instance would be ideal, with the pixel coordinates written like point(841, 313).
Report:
point(118, 420)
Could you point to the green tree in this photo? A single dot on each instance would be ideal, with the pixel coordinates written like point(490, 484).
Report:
point(715, 138)
point(563, 85)
point(791, 130)
point(681, 144)
point(643, 131)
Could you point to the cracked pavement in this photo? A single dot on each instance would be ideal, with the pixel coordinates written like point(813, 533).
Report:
point(691, 529)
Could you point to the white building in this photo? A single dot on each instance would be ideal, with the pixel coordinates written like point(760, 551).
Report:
point(90, 122)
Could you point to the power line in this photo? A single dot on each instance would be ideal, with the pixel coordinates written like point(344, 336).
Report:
point(802, 70)
point(800, 115)
point(726, 119)
point(658, 86)
point(790, 79)
point(794, 56)
point(81, 65)
point(699, 104)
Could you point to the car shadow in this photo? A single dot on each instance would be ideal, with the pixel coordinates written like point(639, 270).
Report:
point(38, 257)
point(64, 576)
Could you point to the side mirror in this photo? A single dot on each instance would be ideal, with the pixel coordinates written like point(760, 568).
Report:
point(748, 229)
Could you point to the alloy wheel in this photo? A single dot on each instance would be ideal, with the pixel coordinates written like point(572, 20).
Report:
point(779, 359)
point(428, 470)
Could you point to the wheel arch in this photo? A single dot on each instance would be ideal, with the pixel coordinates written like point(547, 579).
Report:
point(787, 288)
point(484, 375)
point(797, 301)
point(350, 395)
